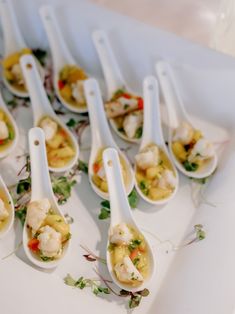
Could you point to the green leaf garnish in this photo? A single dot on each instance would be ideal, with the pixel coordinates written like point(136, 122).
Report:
point(62, 187)
point(104, 213)
point(21, 215)
point(139, 132)
point(83, 166)
point(190, 166)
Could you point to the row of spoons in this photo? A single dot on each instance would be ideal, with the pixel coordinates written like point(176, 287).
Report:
point(45, 222)
point(102, 138)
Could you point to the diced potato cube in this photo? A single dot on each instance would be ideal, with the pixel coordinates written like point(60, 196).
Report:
point(197, 135)
point(104, 186)
point(153, 172)
point(179, 151)
point(2, 116)
point(11, 60)
point(119, 253)
point(8, 75)
point(158, 193)
point(96, 180)
point(61, 152)
point(75, 75)
point(139, 176)
point(66, 92)
point(56, 141)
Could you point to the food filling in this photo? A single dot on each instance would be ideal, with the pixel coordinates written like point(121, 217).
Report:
point(70, 85)
point(48, 232)
point(4, 209)
point(60, 149)
point(129, 255)
point(99, 177)
point(7, 133)
point(190, 147)
point(154, 173)
point(126, 110)
point(12, 70)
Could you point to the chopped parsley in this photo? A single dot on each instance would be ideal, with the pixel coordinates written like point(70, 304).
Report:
point(139, 132)
point(190, 166)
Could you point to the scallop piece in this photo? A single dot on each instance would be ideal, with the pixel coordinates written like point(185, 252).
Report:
point(132, 122)
point(120, 106)
point(203, 149)
point(127, 272)
point(184, 133)
point(49, 241)
point(148, 157)
point(36, 213)
point(49, 127)
point(167, 179)
point(121, 234)
point(78, 92)
point(4, 132)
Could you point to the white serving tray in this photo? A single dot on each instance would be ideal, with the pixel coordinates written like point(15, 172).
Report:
point(196, 279)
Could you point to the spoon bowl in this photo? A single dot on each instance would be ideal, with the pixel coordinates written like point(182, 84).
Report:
point(101, 136)
point(42, 107)
point(60, 53)
point(152, 134)
point(176, 115)
point(13, 41)
point(6, 197)
point(113, 76)
point(41, 188)
point(121, 213)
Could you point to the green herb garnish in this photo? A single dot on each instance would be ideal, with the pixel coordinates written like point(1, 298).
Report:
point(190, 166)
point(21, 215)
point(104, 213)
point(62, 188)
point(134, 244)
point(139, 132)
point(83, 166)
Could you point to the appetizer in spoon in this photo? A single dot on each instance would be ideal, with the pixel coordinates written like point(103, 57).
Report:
point(101, 139)
point(46, 233)
point(68, 75)
point(14, 48)
point(9, 133)
point(7, 210)
point(130, 258)
point(124, 109)
point(192, 153)
point(156, 178)
point(61, 145)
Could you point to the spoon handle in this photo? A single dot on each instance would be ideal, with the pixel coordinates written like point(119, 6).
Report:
point(40, 103)
point(60, 53)
point(111, 70)
point(173, 100)
point(41, 183)
point(120, 208)
point(13, 40)
point(152, 131)
point(101, 134)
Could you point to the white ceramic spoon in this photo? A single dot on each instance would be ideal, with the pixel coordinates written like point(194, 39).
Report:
point(9, 149)
point(101, 134)
point(152, 132)
point(121, 212)
point(41, 188)
point(10, 220)
point(178, 114)
point(41, 105)
point(13, 40)
point(60, 54)
point(113, 76)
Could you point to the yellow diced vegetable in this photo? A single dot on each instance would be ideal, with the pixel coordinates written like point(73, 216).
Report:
point(96, 180)
point(197, 135)
point(11, 60)
point(179, 151)
point(56, 141)
point(61, 152)
point(104, 186)
point(66, 92)
point(119, 253)
point(158, 193)
point(58, 223)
